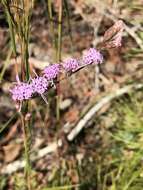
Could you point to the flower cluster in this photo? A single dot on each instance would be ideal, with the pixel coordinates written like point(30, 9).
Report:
point(22, 91)
point(39, 85)
point(52, 71)
point(71, 64)
point(92, 56)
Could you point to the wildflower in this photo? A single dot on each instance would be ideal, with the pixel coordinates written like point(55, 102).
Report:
point(21, 91)
point(39, 85)
point(70, 64)
point(92, 56)
point(51, 72)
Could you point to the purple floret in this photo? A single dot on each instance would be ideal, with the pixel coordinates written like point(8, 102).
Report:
point(70, 64)
point(92, 56)
point(39, 85)
point(21, 91)
point(52, 71)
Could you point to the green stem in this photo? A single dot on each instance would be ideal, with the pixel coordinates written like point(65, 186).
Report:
point(11, 28)
point(27, 30)
point(68, 24)
point(58, 58)
point(26, 138)
point(51, 23)
point(24, 31)
point(59, 42)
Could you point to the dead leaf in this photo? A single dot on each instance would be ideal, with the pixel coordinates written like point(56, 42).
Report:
point(113, 36)
point(11, 152)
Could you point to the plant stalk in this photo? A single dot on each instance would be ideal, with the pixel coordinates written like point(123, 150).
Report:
point(26, 138)
point(58, 57)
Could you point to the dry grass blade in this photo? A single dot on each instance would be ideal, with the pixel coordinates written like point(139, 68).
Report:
point(7, 61)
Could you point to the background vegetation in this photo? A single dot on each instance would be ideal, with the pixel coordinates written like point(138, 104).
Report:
point(107, 154)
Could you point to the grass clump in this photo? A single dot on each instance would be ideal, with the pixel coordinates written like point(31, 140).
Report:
point(125, 171)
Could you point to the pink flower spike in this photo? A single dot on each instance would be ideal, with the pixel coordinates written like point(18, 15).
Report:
point(21, 91)
point(52, 71)
point(92, 56)
point(70, 64)
point(39, 85)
